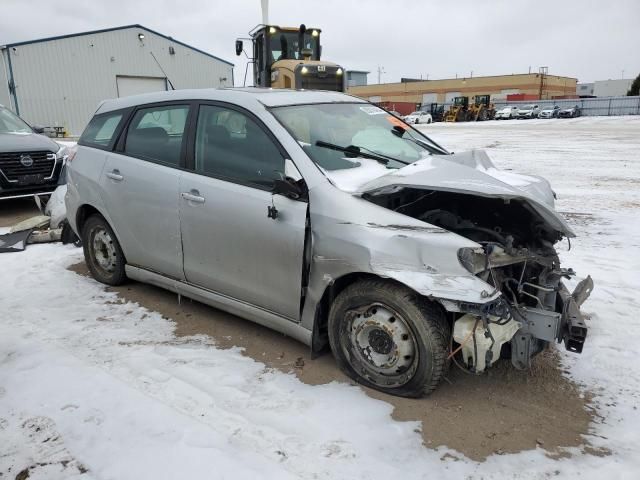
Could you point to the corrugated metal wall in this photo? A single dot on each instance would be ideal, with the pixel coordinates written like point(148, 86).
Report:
point(61, 82)
point(4, 81)
point(607, 106)
point(590, 106)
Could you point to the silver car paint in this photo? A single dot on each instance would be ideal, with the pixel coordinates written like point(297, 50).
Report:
point(231, 247)
point(348, 234)
point(142, 199)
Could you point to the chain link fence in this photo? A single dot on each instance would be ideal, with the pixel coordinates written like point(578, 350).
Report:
point(602, 106)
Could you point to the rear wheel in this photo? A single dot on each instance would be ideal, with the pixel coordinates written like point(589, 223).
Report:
point(102, 252)
point(387, 337)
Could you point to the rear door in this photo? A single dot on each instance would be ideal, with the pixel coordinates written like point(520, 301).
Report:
point(140, 187)
point(230, 245)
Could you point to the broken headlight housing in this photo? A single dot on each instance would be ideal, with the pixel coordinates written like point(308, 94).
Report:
point(474, 260)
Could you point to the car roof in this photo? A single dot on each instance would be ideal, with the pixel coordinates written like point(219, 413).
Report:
point(247, 97)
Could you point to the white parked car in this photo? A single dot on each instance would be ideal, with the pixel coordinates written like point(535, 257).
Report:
point(528, 111)
point(418, 117)
point(507, 113)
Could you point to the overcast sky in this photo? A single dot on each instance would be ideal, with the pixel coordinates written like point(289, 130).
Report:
point(586, 39)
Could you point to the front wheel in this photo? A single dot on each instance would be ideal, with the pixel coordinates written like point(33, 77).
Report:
point(387, 337)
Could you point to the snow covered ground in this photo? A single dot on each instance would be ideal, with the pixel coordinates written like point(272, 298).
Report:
point(91, 387)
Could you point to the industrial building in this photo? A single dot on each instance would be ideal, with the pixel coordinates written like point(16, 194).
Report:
point(605, 88)
point(527, 86)
point(612, 88)
point(59, 81)
point(356, 78)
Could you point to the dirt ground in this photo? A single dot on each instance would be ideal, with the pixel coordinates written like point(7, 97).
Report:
point(503, 411)
point(16, 210)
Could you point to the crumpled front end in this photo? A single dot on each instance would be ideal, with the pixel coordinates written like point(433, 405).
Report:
point(522, 302)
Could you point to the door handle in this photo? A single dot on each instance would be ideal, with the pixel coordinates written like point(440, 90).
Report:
point(115, 175)
point(193, 196)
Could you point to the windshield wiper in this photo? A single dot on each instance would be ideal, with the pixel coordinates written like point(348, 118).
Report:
point(399, 132)
point(354, 151)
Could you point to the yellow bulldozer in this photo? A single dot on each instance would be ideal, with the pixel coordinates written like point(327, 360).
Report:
point(285, 57)
point(481, 109)
point(458, 110)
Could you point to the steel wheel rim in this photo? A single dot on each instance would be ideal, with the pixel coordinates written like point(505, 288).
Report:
point(104, 251)
point(383, 343)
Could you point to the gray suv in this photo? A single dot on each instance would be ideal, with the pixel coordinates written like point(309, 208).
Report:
point(326, 218)
point(30, 163)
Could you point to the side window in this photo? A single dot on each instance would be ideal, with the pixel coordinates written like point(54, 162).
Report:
point(229, 144)
point(156, 133)
point(101, 130)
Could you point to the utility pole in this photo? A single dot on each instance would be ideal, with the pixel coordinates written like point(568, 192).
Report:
point(543, 73)
point(380, 72)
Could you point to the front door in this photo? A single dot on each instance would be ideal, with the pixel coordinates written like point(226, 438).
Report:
point(230, 245)
point(140, 184)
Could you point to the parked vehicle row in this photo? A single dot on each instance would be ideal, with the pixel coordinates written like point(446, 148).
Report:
point(535, 111)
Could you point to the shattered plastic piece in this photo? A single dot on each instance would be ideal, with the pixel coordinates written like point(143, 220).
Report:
point(45, 236)
point(14, 242)
point(55, 207)
point(464, 333)
point(39, 222)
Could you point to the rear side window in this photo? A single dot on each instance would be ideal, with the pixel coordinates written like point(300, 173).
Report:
point(101, 130)
point(156, 134)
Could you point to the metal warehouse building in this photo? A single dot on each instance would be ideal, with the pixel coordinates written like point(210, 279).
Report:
point(59, 81)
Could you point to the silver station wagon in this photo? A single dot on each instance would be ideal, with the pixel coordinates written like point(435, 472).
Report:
point(326, 218)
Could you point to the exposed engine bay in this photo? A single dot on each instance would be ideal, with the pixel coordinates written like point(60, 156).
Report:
point(517, 257)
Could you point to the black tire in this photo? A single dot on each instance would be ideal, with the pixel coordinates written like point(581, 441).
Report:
point(412, 342)
point(102, 252)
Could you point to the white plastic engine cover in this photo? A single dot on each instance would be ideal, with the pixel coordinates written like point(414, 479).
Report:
point(501, 333)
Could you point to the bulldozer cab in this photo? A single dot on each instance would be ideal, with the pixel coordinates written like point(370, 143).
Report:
point(290, 58)
point(461, 102)
point(482, 100)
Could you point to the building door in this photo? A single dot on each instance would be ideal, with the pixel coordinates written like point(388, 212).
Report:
point(429, 98)
point(136, 85)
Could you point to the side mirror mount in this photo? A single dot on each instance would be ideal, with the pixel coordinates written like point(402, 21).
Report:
point(291, 171)
point(239, 47)
point(287, 188)
point(37, 128)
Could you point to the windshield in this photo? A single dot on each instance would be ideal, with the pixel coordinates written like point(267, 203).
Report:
point(10, 123)
point(361, 125)
point(284, 45)
point(416, 113)
point(527, 107)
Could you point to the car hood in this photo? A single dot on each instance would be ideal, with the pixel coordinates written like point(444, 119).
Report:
point(26, 142)
point(472, 173)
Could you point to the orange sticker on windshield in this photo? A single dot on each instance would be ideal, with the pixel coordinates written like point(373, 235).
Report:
point(396, 121)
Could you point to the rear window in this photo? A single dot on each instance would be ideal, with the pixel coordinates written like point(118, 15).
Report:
point(101, 130)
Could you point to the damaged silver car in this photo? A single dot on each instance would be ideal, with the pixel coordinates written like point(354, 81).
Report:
point(326, 218)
